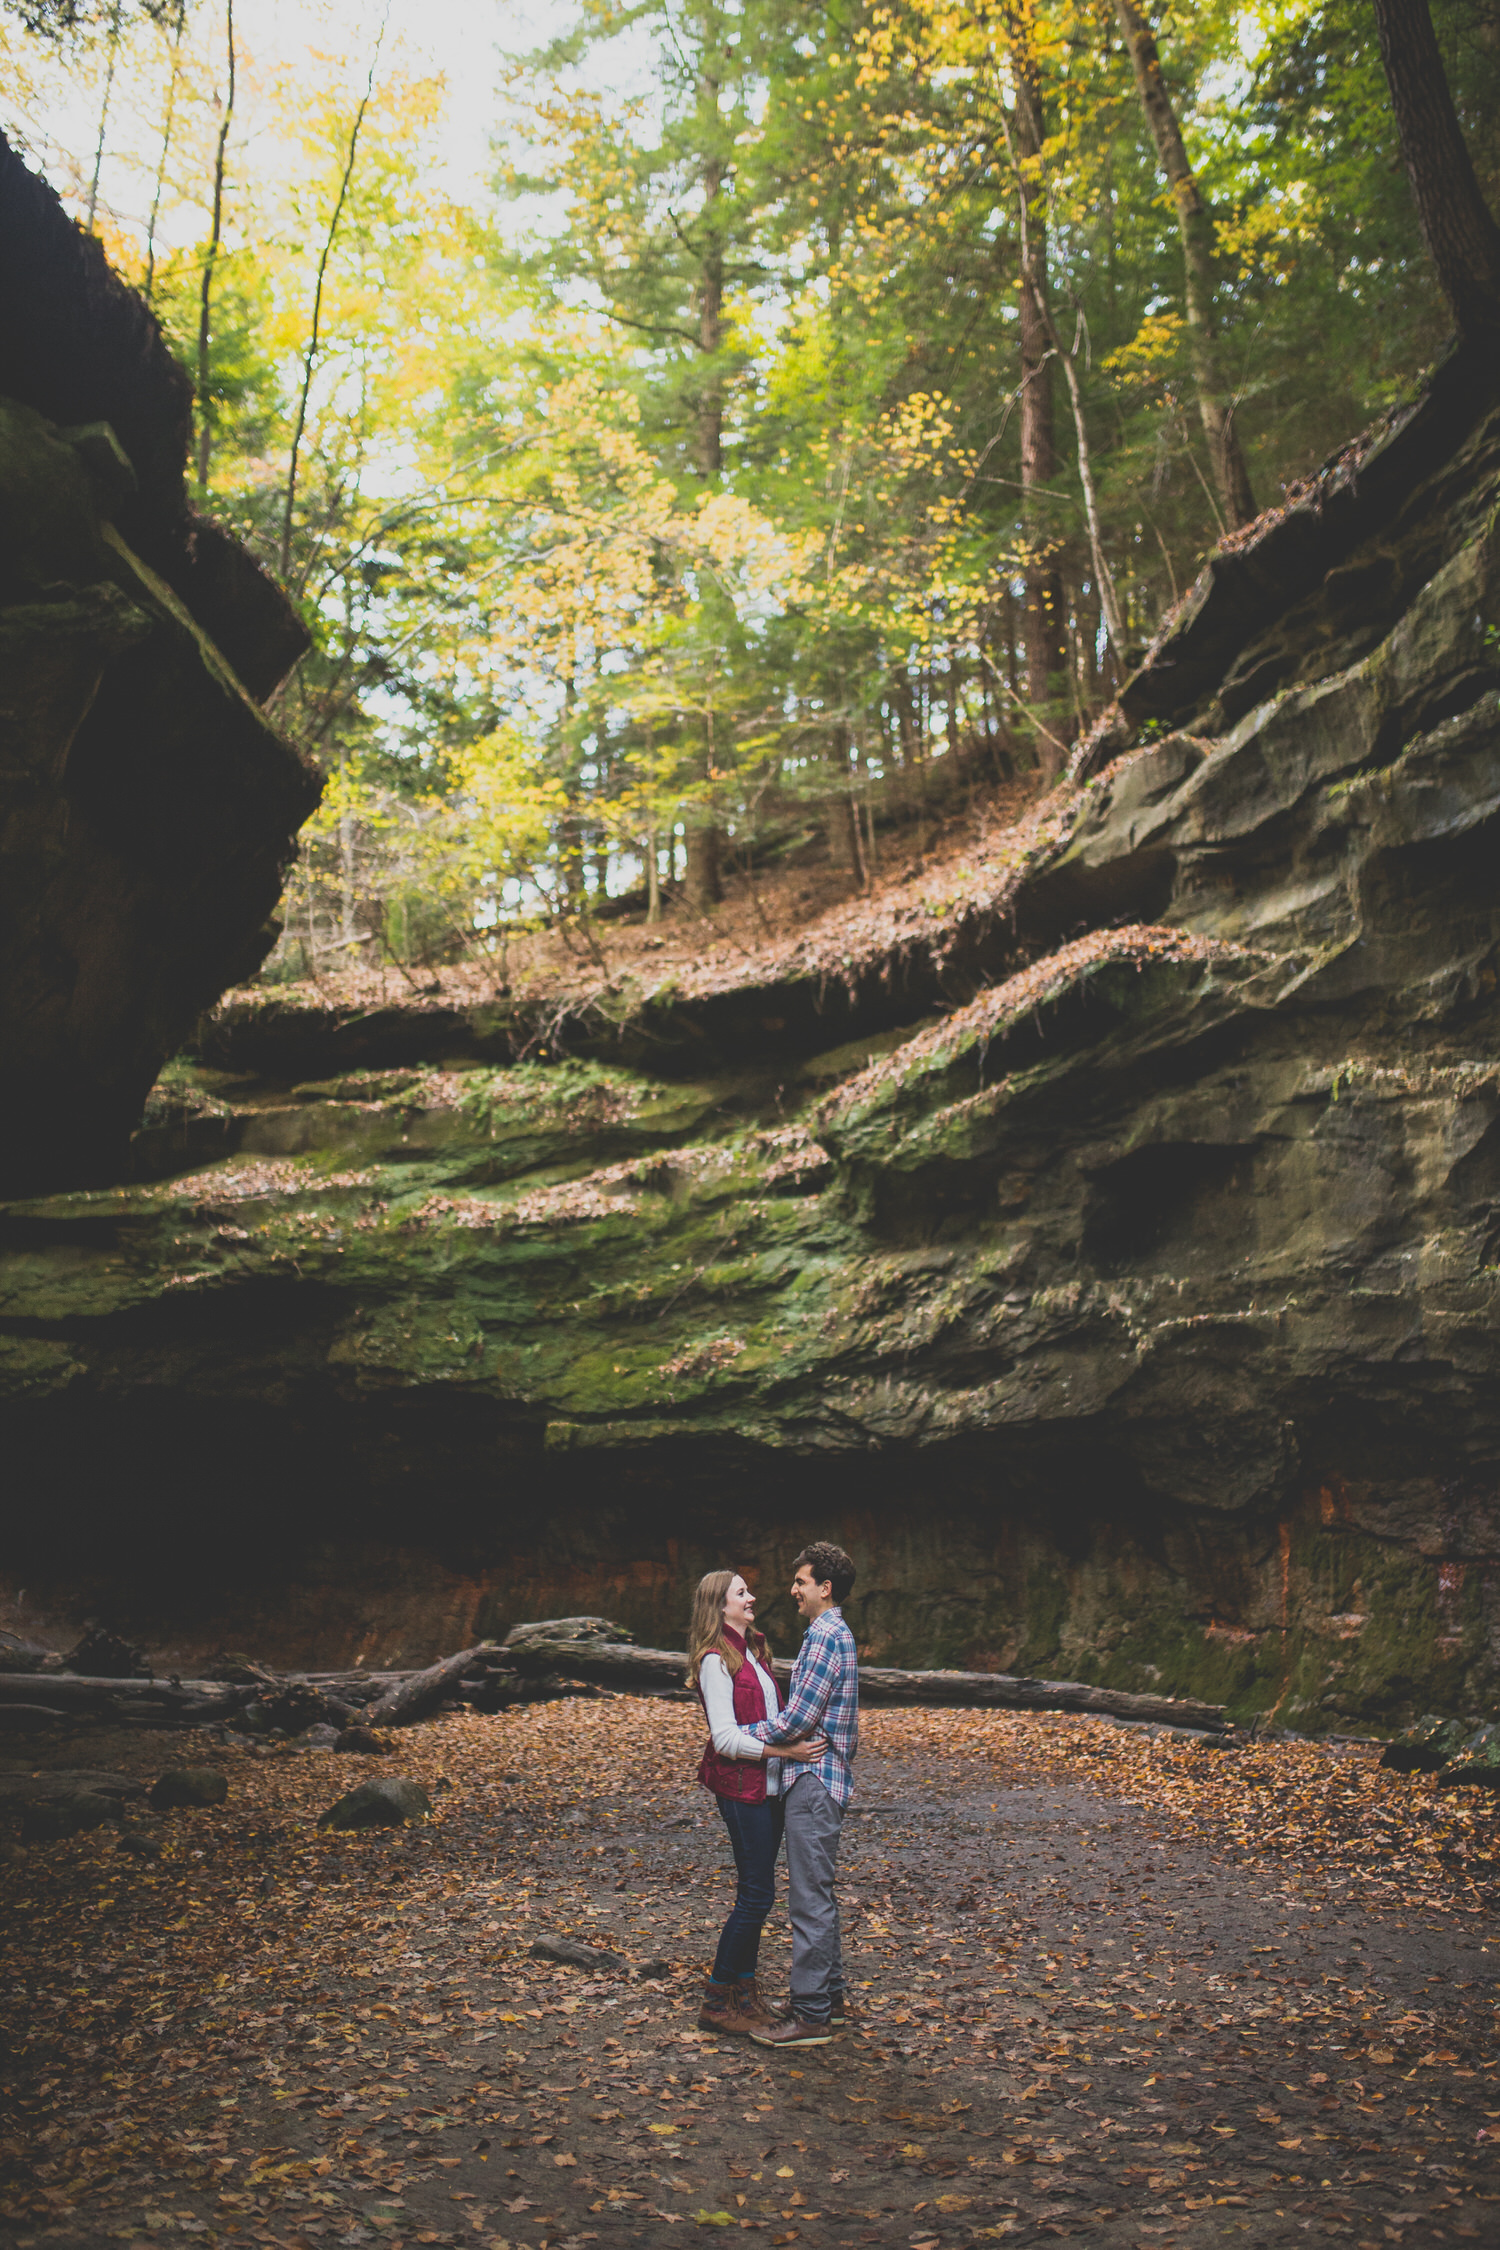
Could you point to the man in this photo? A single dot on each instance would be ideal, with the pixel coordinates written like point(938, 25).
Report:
point(822, 1699)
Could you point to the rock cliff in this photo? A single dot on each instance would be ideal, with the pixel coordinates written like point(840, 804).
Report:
point(147, 807)
point(1108, 1255)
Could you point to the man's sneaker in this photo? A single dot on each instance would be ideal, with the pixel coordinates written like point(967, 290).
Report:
point(842, 2010)
point(720, 2010)
point(793, 2031)
point(753, 2011)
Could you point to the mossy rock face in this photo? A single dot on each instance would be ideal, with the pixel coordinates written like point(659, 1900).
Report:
point(1475, 1763)
point(1121, 1286)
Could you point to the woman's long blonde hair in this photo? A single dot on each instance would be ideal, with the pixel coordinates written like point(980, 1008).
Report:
point(706, 1632)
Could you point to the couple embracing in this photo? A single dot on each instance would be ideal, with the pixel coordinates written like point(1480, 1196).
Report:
point(779, 1775)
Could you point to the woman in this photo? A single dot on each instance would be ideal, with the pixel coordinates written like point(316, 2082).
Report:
point(729, 1665)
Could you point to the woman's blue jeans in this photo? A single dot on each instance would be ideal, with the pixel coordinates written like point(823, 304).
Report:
point(755, 1840)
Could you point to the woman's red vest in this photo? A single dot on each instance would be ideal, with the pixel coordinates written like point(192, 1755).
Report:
point(744, 1778)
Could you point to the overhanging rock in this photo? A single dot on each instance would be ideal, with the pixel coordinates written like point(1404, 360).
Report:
point(148, 809)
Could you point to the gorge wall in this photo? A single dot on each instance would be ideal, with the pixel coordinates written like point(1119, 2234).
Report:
point(1101, 1241)
point(148, 809)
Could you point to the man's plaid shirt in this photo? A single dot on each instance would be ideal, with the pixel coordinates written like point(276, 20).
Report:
point(822, 1698)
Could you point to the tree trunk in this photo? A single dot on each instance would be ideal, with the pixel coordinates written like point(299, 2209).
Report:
point(310, 358)
point(1042, 622)
point(1196, 226)
point(405, 1697)
point(178, 26)
point(1103, 576)
point(841, 814)
point(839, 828)
point(422, 1692)
point(149, 1703)
point(702, 882)
point(109, 86)
point(210, 260)
point(346, 864)
point(1458, 228)
point(612, 1664)
point(710, 294)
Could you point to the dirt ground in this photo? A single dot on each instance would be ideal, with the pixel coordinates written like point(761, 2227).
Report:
point(1113, 1985)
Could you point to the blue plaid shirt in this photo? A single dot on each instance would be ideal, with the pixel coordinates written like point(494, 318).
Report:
point(822, 1698)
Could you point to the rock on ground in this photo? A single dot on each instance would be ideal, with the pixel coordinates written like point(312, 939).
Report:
point(184, 1786)
point(387, 1803)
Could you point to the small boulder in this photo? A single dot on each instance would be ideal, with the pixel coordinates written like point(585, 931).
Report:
point(574, 1954)
point(1476, 1763)
point(67, 1816)
point(364, 1742)
point(1425, 1747)
point(322, 1737)
point(183, 1786)
point(387, 1803)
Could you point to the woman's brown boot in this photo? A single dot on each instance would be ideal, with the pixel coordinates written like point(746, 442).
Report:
point(719, 2011)
point(752, 2013)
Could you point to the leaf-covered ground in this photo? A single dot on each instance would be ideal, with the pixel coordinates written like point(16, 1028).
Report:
point(805, 920)
point(1113, 1985)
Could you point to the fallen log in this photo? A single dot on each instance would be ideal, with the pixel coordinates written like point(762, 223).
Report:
point(46, 1788)
point(404, 1697)
point(125, 1702)
point(422, 1692)
point(879, 1683)
point(27, 1718)
point(351, 1687)
point(610, 1665)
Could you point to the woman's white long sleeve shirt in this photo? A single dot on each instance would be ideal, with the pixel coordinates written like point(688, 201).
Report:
point(729, 1738)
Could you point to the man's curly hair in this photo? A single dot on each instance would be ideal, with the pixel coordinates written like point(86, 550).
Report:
point(825, 1560)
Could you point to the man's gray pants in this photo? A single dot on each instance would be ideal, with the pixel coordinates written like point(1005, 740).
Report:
point(813, 1822)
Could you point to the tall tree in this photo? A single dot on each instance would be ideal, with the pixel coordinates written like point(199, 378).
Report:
point(664, 230)
point(1044, 622)
point(1196, 225)
point(1457, 224)
point(113, 47)
point(210, 260)
point(179, 25)
point(310, 356)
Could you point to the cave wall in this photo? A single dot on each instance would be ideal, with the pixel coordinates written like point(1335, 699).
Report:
point(313, 1542)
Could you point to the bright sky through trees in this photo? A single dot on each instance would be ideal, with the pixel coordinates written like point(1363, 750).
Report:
point(460, 39)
